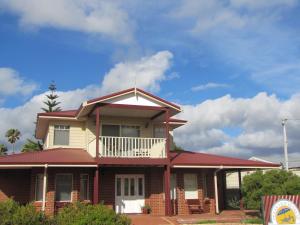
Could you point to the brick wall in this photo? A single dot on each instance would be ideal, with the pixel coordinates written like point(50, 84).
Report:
point(15, 184)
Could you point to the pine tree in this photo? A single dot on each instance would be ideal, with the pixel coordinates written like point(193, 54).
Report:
point(51, 103)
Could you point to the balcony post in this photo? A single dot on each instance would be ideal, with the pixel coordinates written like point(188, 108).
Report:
point(167, 171)
point(96, 187)
point(97, 131)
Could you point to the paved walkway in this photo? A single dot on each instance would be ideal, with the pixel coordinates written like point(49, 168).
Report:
point(229, 216)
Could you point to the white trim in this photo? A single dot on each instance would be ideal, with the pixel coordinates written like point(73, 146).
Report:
point(58, 117)
point(71, 200)
point(226, 167)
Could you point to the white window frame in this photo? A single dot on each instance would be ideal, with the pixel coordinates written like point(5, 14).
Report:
point(36, 185)
point(58, 174)
point(63, 127)
point(159, 126)
point(190, 194)
point(88, 187)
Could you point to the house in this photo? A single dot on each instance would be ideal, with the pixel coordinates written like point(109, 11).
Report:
point(117, 150)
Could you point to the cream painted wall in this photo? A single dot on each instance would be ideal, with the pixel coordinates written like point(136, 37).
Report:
point(83, 133)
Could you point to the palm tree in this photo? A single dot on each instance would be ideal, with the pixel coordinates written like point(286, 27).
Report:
point(12, 136)
point(32, 146)
point(3, 150)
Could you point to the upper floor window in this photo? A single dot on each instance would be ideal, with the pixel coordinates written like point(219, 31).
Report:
point(159, 132)
point(61, 135)
point(120, 131)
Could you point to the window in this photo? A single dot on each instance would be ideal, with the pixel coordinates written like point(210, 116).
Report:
point(132, 186)
point(118, 186)
point(63, 188)
point(190, 186)
point(141, 186)
point(61, 135)
point(159, 132)
point(84, 187)
point(126, 186)
point(111, 130)
point(130, 131)
point(39, 187)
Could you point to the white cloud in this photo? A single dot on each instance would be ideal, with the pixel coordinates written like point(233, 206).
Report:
point(257, 118)
point(203, 87)
point(11, 83)
point(146, 73)
point(94, 17)
point(150, 71)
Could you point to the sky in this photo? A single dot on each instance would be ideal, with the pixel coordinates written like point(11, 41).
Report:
point(233, 65)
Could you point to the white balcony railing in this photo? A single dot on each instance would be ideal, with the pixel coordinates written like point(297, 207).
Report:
point(131, 147)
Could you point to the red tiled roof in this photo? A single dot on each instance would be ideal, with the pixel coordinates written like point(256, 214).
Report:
point(203, 159)
point(66, 113)
point(70, 156)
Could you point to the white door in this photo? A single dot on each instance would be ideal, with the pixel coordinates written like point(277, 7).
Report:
point(129, 193)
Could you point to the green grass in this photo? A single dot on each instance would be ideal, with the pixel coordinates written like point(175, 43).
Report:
point(207, 221)
point(253, 221)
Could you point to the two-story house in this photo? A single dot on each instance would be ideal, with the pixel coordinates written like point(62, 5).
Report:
point(117, 150)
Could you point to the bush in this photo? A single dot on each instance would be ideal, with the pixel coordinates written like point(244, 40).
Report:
point(11, 213)
point(82, 214)
point(273, 182)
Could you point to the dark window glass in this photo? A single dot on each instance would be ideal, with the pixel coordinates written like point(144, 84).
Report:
point(141, 188)
point(63, 188)
point(84, 187)
point(61, 135)
point(118, 186)
point(126, 186)
point(39, 187)
point(132, 187)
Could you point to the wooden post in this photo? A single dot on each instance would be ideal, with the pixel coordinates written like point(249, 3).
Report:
point(240, 190)
point(97, 131)
point(96, 187)
point(167, 177)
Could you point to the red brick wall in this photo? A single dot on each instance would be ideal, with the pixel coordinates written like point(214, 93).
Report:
point(207, 205)
point(15, 184)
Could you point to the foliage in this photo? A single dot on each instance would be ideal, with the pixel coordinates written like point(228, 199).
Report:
point(207, 222)
point(84, 214)
point(273, 182)
point(51, 103)
point(176, 148)
point(253, 221)
point(234, 203)
point(11, 213)
point(147, 209)
point(3, 150)
point(12, 136)
point(32, 146)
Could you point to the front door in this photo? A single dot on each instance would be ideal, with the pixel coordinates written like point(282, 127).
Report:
point(129, 193)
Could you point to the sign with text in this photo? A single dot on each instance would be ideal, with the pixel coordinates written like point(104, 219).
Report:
point(281, 209)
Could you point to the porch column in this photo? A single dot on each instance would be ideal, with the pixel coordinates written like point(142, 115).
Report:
point(240, 190)
point(96, 187)
point(216, 191)
point(167, 133)
point(44, 187)
point(97, 131)
point(167, 177)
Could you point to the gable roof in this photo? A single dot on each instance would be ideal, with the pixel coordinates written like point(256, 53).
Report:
point(196, 159)
point(57, 156)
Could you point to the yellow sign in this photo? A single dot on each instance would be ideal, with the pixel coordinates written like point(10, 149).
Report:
point(284, 212)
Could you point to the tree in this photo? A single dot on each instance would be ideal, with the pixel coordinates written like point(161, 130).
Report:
point(273, 182)
point(12, 136)
point(3, 150)
point(32, 146)
point(51, 103)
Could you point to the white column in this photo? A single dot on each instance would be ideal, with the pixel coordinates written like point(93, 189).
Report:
point(216, 191)
point(44, 187)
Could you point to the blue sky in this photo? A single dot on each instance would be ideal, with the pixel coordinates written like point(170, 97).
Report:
point(227, 50)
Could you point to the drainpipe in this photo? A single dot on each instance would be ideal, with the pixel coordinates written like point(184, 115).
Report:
point(216, 189)
point(44, 187)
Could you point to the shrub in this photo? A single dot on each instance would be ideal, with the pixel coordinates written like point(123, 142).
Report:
point(273, 182)
point(82, 214)
point(253, 221)
point(11, 213)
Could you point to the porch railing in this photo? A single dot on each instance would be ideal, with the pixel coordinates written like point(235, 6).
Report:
point(131, 147)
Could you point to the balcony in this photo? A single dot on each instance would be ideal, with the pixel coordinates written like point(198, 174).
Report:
point(130, 147)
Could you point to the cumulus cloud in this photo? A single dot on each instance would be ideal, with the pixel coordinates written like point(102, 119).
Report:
point(11, 83)
point(149, 72)
point(258, 119)
point(146, 73)
point(105, 18)
point(203, 87)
